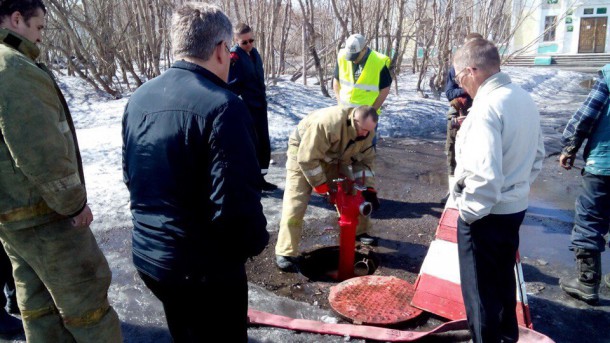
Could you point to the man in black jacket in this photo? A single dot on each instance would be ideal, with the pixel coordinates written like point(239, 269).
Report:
point(189, 162)
point(247, 79)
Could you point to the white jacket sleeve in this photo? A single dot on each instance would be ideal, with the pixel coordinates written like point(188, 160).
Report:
point(478, 188)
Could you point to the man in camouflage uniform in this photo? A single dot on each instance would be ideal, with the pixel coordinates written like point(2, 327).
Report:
point(62, 277)
point(328, 143)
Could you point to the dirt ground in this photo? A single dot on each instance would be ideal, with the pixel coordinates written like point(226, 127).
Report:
point(411, 183)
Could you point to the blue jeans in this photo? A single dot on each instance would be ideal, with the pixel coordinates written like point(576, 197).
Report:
point(592, 216)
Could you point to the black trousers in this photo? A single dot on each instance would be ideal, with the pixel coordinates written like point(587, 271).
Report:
point(263, 144)
point(201, 310)
point(7, 283)
point(487, 250)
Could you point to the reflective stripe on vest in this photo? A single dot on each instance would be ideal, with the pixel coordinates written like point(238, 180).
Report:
point(313, 172)
point(365, 90)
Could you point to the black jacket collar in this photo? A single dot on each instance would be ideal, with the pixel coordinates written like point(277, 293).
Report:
point(182, 64)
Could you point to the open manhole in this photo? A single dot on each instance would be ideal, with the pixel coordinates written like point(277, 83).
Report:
point(372, 299)
point(322, 264)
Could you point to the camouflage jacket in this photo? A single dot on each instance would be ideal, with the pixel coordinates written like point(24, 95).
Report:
point(41, 178)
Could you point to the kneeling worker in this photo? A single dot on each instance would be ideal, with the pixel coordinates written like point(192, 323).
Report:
point(323, 147)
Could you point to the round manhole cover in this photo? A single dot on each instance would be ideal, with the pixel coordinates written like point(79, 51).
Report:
point(374, 300)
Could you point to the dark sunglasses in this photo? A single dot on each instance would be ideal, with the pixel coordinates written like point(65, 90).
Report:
point(245, 42)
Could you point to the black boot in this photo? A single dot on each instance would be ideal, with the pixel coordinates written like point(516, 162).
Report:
point(267, 186)
point(9, 325)
point(589, 269)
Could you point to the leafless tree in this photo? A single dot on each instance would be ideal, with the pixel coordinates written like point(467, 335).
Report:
point(116, 45)
point(451, 21)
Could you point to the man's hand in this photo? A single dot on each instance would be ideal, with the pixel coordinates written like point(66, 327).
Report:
point(457, 121)
point(566, 161)
point(337, 90)
point(460, 120)
point(84, 218)
point(370, 195)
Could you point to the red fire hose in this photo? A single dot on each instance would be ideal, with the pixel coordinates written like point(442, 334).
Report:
point(372, 332)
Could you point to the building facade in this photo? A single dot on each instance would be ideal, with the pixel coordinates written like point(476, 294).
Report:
point(562, 27)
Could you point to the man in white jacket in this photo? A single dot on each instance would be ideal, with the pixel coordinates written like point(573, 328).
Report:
point(499, 153)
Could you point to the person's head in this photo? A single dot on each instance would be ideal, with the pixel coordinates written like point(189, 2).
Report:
point(243, 36)
point(471, 36)
point(24, 17)
point(202, 33)
point(474, 63)
point(365, 120)
point(355, 47)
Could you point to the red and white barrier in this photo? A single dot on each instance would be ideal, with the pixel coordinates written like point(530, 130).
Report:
point(438, 289)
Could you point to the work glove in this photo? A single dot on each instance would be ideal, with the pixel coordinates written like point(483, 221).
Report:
point(321, 189)
point(370, 195)
point(326, 192)
point(461, 104)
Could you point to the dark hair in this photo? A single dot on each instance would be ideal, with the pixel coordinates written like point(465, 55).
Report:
point(242, 28)
point(363, 112)
point(27, 8)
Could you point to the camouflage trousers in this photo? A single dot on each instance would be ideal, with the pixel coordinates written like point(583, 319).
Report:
point(62, 280)
point(296, 197)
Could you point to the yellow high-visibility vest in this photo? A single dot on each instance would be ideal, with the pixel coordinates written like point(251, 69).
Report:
point(365, 90)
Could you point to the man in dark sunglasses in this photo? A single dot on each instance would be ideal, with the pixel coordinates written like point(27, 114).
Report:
point(247, 79)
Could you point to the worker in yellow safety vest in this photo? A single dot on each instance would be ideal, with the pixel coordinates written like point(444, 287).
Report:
point(362, 75)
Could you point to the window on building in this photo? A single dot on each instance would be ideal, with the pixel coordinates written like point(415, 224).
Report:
point(601, 10)
point(549, 28)
point(588, 11)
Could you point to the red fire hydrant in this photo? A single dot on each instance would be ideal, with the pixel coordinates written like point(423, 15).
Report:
point(350, 204)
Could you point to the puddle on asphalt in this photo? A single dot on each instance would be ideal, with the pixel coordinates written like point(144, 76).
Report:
point(545, 236)
point(545, 232)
